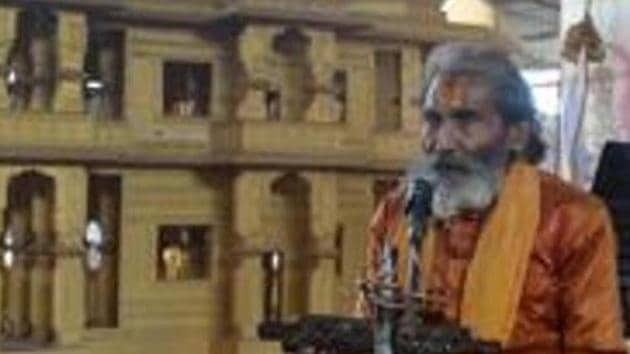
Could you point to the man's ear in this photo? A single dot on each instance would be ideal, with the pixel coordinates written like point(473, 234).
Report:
point(518, 135)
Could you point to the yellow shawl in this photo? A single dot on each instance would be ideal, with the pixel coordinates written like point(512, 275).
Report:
point(497, 271)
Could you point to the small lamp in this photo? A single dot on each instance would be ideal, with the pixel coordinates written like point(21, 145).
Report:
point(94, 242)
point(11, 77)
point(273, 266)
point(8, 249)
point(93, 86)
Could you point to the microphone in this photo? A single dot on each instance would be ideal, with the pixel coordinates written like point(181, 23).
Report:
point(417, 211)
point(418, 207)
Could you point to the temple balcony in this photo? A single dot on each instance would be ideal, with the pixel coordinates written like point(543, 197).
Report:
point(75, 138)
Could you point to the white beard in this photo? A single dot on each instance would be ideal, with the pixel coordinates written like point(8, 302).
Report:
point(455, 191)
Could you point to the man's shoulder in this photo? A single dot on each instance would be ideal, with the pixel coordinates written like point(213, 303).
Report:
point(575, 215)
point(389, 208)
point(558, 194)
point(395, 197)
point(572, 219)
point(392, 202)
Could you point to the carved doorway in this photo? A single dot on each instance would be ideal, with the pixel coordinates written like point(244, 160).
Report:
point(289, 218)
point(28, 275)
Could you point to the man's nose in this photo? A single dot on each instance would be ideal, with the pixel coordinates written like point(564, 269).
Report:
point(443, 138)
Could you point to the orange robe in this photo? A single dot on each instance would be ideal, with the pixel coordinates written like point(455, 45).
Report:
point(569, 301)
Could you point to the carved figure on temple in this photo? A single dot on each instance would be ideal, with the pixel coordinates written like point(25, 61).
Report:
point(186, 105)
point(173, 261)
point(176, 258)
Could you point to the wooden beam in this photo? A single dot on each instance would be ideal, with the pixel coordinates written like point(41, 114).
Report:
point(540, 36)
point(122, 158)
point(82, 5)
point(549, 4)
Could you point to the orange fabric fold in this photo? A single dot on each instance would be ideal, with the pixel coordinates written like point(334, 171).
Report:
point(496, 275)
point(517, 284)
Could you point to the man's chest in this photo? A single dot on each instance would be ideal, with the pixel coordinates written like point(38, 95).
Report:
point(538, 311)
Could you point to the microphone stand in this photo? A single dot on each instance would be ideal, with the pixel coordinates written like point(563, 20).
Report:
point(388, 315)
point(417, 211)
point(401, 322)
point(385, 300)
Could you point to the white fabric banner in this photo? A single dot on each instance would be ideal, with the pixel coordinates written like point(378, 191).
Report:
point(574, 97)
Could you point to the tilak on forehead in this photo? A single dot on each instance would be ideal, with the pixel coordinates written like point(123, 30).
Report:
point(458, 90)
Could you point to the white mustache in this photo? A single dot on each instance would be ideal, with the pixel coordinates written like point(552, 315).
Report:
point(460, 183)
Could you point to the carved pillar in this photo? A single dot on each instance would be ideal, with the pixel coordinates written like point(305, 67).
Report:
point(359, 63)
point(72, 34)
point(322, 57)
point(255, 47)
point(223, 85)
point(143, 108)
point(249, 198)
point(4, 181)
point(8, 31)
point(251, 194)
point(411, 88)
point(388, 95)
point(356, 208)
point(41, 271)
point(18, 281)
point(70, 221)
point(324, 221)
point(107, 68)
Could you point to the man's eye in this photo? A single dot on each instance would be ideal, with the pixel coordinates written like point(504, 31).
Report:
point(432, 117)
point(464, 115)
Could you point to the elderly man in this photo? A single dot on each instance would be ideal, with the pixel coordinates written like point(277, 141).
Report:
point(510, 252)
